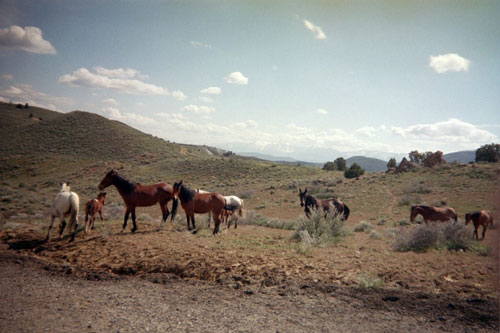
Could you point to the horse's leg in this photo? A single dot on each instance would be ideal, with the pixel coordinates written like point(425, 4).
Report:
point(127, 213)
point(52, 218)
point(194, 224)
point(134, 228)
point(62, 226)
point(236, 223)
point(75, 222)
point(475, 232)
point(100, 215)
point(187, 219)
point(485, 226)
point(209, 218)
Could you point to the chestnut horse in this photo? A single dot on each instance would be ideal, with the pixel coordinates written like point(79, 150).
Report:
point(482, 218)
point(307, 201)
point(199, 203)
point(429, 213)
point(93, 207)
point(137, 195)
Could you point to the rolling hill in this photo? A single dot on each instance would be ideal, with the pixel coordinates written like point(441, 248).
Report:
point(368, 163)
point(464, 156)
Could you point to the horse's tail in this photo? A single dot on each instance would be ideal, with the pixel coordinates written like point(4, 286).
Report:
point(240, 211)
point(491, 219)
point(175, 204)
point(347, 211)
point(74, 202)
point(89, 209)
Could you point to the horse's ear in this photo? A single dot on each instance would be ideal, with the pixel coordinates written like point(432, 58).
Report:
point(305, 190)
point(180, 183)
point(300, 190)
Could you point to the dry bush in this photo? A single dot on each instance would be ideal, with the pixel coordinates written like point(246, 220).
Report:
point(319, 228)
point(363, 226)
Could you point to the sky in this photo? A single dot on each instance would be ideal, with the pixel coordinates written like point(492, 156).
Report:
point(311, 80)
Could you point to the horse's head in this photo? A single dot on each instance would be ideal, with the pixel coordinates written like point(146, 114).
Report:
point(101, 197)
point(65, 187)
point(413, 213)
point(177, 189)
point(302, 196)
point(107, 180)
point(468, 218)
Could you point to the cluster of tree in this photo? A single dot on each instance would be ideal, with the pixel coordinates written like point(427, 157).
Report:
point(20, 106)
point(488, 153)
point(427, 159)
point(354, 171)
point(339, 164)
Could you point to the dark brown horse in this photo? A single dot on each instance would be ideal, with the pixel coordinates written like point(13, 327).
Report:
point(137, 195)
point(93, 207)
point(430, 213)
point(308, 201)
point(481, 218)
point(200, 203)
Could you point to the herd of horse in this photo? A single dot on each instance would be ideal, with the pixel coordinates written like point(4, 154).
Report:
point(220, 208)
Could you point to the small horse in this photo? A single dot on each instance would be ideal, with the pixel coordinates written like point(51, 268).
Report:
point(481, 218)
point(429, 213)
point(137, 195)
point(93, 207)
point(65, 204)
point(199, 203)
point(233, 204)
point(307, 201)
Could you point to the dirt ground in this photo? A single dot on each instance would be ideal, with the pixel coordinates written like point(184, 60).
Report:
point(249, 279)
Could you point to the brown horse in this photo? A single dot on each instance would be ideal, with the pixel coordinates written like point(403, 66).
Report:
point(307, 201)
point(429, 213)
point(93, 207)
point(482, 218)
point(200, 203)
point(137, 195)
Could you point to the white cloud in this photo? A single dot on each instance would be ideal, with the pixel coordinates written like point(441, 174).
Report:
point(200, 44)
point(178, 95)
point(198, 109)
point(128, 117)
point(318, 32)
point(236, 78)
point(321, 111)
point(84, 78)
point(7, 77)
point(25, 93)
point(212, 90)
point(449, 62)
point(206, 99)
point(29, 39)
point(118, 73)
point(111, 101)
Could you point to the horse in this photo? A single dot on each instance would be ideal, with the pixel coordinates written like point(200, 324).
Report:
point(137, 195)
point(233, 204)
point(307, 201)
point(65, 204)
point(93, 207)
point(200, 203)
point(429, 213)
point(483, 218)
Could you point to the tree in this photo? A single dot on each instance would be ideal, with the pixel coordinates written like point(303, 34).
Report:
point(341, 163)
point(330, 166)
point(392, 163)
point(354, 171)
point(416, 157)
point(488, 153)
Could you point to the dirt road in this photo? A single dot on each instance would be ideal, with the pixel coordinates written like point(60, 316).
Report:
point(39, 297)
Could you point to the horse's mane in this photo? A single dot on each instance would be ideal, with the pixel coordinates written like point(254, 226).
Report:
point(186, 194)
point(124, 184)
point(311, 200)
point(475, 215)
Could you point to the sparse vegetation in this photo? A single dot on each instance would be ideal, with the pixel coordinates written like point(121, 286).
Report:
point(369, 280)
point(319, 228)
point(363, 226)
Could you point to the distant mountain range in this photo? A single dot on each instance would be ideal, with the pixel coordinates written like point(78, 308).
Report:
point(465, 156)
point(368, 163)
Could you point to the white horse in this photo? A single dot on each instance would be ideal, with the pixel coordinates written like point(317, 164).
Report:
point(233, 204)
point(65, 204)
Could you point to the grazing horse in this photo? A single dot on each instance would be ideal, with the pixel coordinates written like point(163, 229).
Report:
point(199, 203)
point(429, 213)
point(93, 207)
point(482, 218)
point(233, 204)
point(137, 195)
point(307, 201)
point(65, 204)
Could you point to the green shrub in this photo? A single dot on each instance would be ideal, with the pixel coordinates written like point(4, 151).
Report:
point(363, 226)
point(369, 280)
point(319, 228)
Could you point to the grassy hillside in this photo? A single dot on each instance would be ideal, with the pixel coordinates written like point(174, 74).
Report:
point(368, 163)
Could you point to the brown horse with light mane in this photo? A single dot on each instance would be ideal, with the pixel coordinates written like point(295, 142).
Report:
point(137, 195)
point(308, 201)
point(430, 213)
point(194, 202)
point(93, 207)
point(481, 218)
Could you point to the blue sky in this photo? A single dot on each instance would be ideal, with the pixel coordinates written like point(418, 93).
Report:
point(312, 80)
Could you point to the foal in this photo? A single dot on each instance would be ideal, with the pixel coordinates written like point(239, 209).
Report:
point(93, 206)
point(482, 218)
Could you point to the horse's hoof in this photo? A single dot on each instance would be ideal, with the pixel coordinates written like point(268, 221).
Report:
point(195, 231)
point(134, 230)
